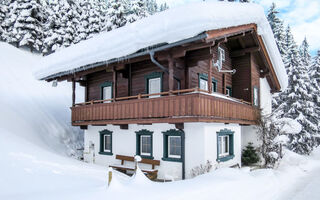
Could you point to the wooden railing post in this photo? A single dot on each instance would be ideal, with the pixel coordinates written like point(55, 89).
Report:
point(73, 92)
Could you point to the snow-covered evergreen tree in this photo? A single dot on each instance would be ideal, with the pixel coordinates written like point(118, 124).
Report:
point(3, 12)
point(163, 6)
point(277, 27)
point(304, 53)
point(26, 23)
point(137, 10)
point(296, 102)
point(117, 14)
point(315, 80)
point(152, 6)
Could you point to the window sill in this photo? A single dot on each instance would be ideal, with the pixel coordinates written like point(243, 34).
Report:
point(225, 158)
point(172, 159)
point(146, 157)
point(106, 153)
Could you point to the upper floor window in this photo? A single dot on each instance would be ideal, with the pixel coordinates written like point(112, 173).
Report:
point(154, 83)
point(144, 143)
point(106, 91)
point(203, 83)
point(228, 91)
point(255, 96)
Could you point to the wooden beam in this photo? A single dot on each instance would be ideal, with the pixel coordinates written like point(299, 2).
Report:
point(210, 75)
point(179, 126)
point(73, 92)
point(171, 71)
point(124, 126)
point(130, 80)
point(241, 42)
point(83, 127)
point(242, 52)
point(227, 32)
point(114, 80)
point(224, 83)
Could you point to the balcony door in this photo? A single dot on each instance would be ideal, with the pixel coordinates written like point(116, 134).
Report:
point(154, 85)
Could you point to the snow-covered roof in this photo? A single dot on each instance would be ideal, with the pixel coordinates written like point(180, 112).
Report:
point(170, 26)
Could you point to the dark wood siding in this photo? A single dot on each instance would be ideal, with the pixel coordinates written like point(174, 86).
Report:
point(94, 81)
point(241, 79)
point(198, 62)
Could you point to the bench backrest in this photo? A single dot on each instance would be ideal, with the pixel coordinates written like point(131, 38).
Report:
point(144, 160)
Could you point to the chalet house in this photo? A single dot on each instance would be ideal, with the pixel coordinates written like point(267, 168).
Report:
point(178, 88)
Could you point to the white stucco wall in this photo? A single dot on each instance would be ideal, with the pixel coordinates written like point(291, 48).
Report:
point(200, 146)
point(265, 96)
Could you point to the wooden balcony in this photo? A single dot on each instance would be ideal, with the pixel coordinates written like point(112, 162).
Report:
point(181, 106)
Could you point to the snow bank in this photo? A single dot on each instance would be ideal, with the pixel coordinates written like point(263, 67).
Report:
point(34, 110)
point(166, 27)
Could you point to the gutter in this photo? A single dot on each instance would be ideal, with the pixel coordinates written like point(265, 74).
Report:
point(154, 61)
point(183, 155)
point(143, 52)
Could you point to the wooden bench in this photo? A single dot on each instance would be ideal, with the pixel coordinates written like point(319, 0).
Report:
point(151, 173)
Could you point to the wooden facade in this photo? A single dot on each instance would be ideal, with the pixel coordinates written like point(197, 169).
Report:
point(130, 103)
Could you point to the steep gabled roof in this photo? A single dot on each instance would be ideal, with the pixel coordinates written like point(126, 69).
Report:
point(168, 27)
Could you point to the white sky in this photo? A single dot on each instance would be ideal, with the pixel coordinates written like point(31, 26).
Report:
point(302, 15)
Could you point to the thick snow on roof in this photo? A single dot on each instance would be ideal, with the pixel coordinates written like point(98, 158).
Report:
point(165, 27)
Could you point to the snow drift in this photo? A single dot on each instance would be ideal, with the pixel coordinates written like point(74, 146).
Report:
point(165, 27)
point(32, 109)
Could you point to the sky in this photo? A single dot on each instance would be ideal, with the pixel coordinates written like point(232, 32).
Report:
point(303, 16)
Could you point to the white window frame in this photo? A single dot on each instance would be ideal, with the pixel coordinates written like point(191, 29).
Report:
point(170, 155)
point(103, 94)
point(221, 51)
point(105, 142)
point(228, 91)
point(206, 85)
point(143, 153)
point(223, 145)
point(150, 79)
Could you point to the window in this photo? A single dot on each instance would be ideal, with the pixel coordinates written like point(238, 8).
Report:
point(228, 91)
point(106, 91)
point(203, 83)
point(173, 145)
point(224, 145)
point(154, 83)
point(255, 96)
point(154, 86)
point(144, 143)
point(105, 142)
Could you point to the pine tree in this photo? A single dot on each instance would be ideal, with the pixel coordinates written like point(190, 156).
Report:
point(137, 10)
point(3, 12)
point(164, 6)
point(277, 27)
point(26, 23)
point(304, 53)
point(152, 6)
point(117, 14)
point(315, 80)
point(297, 100)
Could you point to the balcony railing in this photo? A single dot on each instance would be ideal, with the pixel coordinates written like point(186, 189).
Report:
point(190, 105)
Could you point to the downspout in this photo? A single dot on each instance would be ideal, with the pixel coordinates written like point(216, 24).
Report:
point(154, 61)
point(183, 154)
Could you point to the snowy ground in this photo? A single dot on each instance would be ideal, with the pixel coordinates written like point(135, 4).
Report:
point(35, 138)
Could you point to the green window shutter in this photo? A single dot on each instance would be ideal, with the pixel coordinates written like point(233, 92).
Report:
point(102, 134)
point(138, 135)
point(106, 84)
point(166, 134)
point(151, 76)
